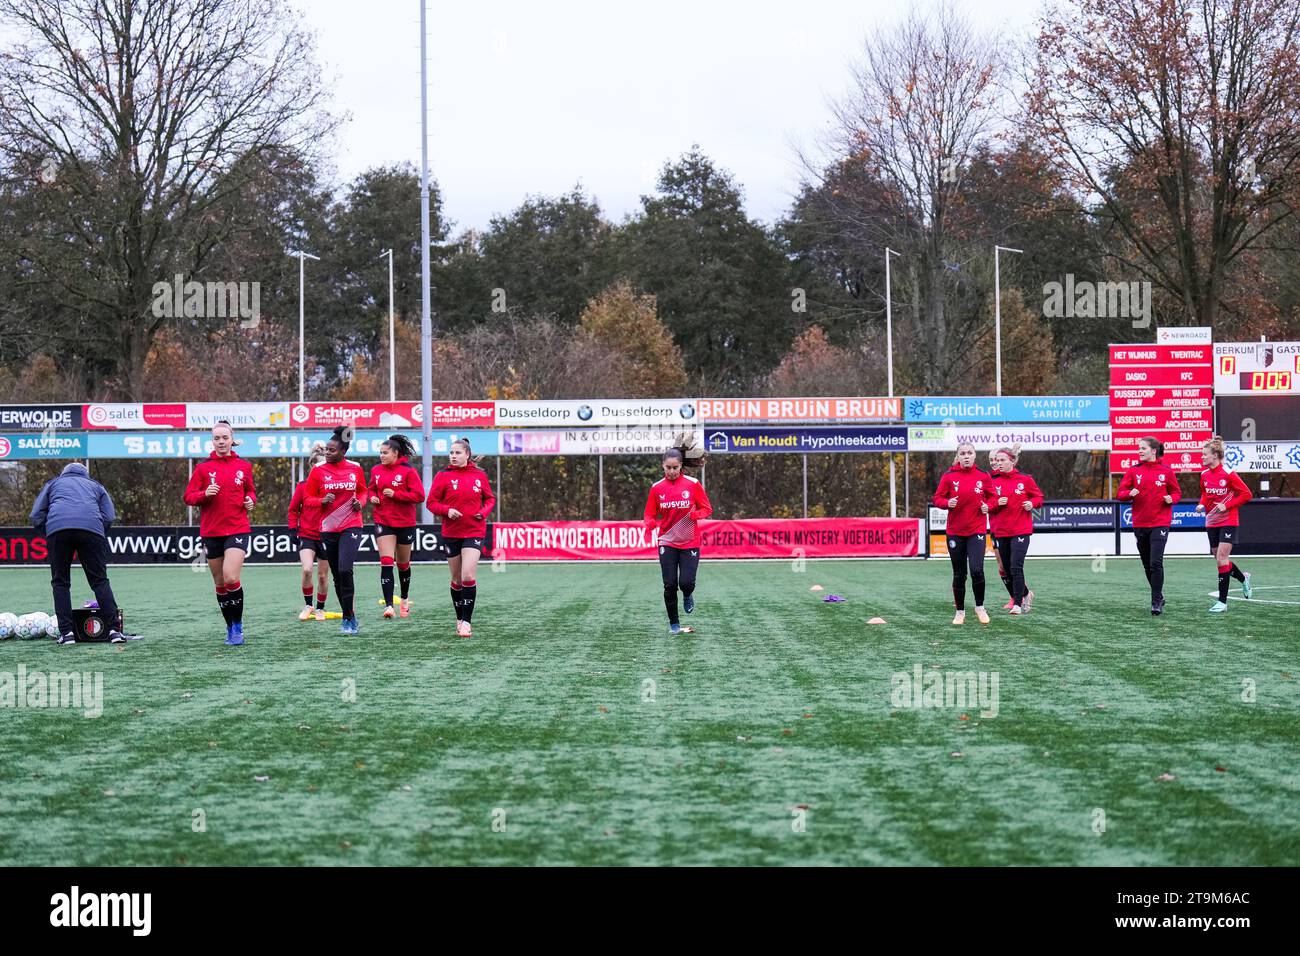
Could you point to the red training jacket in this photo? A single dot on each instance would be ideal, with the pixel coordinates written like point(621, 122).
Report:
point(1221, 485)
point(401, 509)
point(676, 507)
point(304, 518)
point(970, 487)
point(224, 513)
point(1153, 480)
point(1012, 520)
point(347, 482)
point(467, 490)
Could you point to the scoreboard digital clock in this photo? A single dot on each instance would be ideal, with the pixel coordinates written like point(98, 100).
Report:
point(1257, 368)
point(1278, 381)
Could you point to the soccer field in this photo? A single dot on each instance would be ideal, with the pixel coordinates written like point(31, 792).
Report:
point(571, 729)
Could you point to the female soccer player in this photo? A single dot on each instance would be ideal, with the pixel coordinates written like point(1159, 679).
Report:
point(462, 498)
point(1151, 487)
point(337, 487)
point(676, 505)
point(1222, 493)
point(963, 491)
point(395, 492)
point(1013, 497)
point(305, 523)
point(222, 489)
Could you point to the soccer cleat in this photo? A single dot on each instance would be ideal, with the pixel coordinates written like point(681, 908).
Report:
point(305, 614)
point(463, 629)
point(405, 610)
point(1017, 610)
point(1028, 601)
point(1245, 585)
point(685, 630)
point(982, 614)
point(349, 626)
point(1157, 607)
point(688, 603)
point(117, 637)
point(236, 635)
point(390, 612)
point(1218, 607)
point(959, 617)
point(1009, 605)
point(67, 639)
point(319, 614)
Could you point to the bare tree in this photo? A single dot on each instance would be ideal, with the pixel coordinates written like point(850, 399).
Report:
point(1180, 119)
point(924, 98)
point(140, 118)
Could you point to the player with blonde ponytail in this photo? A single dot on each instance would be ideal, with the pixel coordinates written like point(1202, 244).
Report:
point(1013, 498)
point(1222, 495)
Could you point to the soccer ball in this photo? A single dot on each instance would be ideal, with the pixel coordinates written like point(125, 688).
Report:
point(24, 628)
point(7, 624)
point(51, 626)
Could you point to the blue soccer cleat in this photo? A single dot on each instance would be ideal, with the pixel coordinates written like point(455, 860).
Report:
point(1218, 607)
point(349, 626)
point(235, 636)
point(674, 629)
point(1246, 590)
point(688, 603)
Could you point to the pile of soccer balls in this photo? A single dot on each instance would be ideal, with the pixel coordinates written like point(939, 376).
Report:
point(28, 627)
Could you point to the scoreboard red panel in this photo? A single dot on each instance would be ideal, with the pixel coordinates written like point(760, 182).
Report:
point(1165, 392)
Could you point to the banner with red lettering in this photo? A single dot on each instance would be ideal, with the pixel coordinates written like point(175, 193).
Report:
point(786, 538)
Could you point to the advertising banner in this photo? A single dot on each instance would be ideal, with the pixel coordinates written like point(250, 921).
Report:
point(267, 544)
point(1185, 516)
point(592, 412)
point(647, 440)
point(392, 415)
point(1008, 408)
point(259, 444)
point(50, 444)
point(750, 441)
point(239, 414)
point(749, 538)
point(127, 416)
point(35, 418)
point(774, 411)
point(1250, 457)
point(1030, 437)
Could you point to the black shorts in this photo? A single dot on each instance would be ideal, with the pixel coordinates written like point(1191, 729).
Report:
point(311, 544)
point(216, 548)
point(404, 535)
point(1226, 533)
point(455, 545)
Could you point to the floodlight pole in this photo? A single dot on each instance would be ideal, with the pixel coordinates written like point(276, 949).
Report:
point(426, 294)
point(301, 321)
point(997, 311)
point(889, 348)
point(392, 332)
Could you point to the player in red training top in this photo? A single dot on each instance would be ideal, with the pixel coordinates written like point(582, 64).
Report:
point(463, 499)
point(675, 506)
point(1011, 501)
point(1151, 487)
point(1222, 494)
point(963, 491)
point(304, 522)
point(396, 493)
point(338, 486)
point(222, 489)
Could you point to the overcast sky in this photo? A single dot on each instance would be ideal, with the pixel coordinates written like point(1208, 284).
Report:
point(532, 98)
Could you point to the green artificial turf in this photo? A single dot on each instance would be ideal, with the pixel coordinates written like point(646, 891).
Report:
point(778, 708)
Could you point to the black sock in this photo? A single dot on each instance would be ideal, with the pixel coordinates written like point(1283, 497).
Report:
point(468, 593)
point(320, 601)
point(404, 579)
point(670, 602)
point(1236, 572)
point(1224, 578)
point(386, 582)
point(306, 596)
point(455, 600)
point(236, 598)
point(223, 602)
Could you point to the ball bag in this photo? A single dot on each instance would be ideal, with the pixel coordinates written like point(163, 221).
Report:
point(92, 625)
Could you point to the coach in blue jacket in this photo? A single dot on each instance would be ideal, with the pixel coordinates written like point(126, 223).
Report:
point(74, 512)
